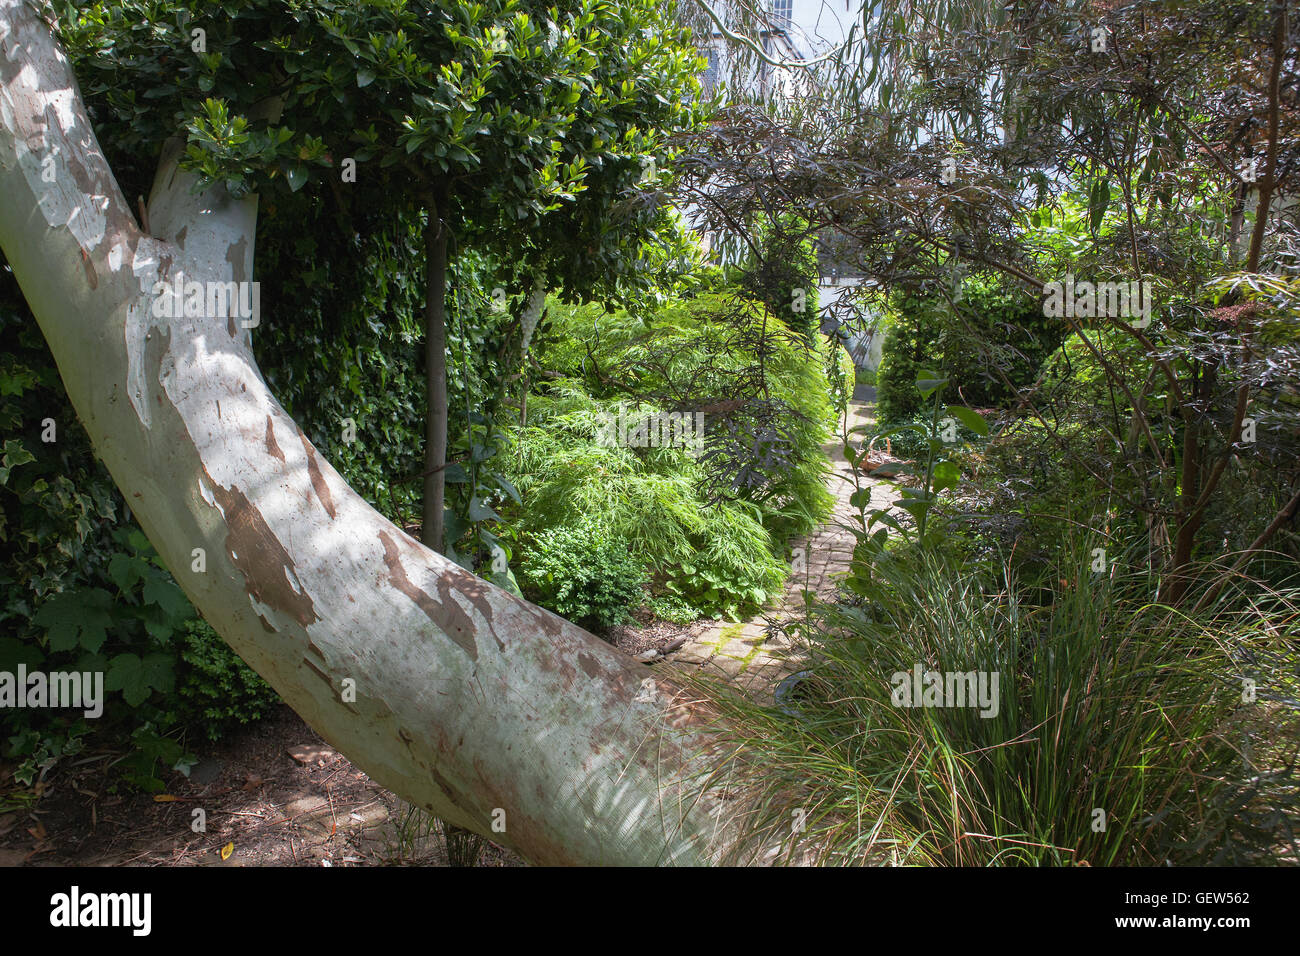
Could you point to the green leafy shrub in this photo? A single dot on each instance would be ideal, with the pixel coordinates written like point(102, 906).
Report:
point(908, 437)
point(841, 376)
point(125, 630)
point(997, 330)
point(711, 351)
point(582, 574)
point(910, 327)
point(1073, 367)
point(216, 691)
point(670, 608)
point(713, 545)
point(352, 353)
point(784, 274)
point(81, 589)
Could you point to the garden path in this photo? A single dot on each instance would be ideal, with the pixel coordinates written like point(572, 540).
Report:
point(756, 652)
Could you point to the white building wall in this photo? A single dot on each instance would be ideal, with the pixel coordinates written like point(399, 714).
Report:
point(817, 26)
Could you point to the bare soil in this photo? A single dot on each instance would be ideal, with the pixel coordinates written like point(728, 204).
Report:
point(272, 794)
point(264, 806)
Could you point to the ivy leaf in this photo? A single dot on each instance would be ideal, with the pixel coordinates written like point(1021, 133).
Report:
point(164, 592)
point(15, 453)
point(81, 612)
point(297, 176)
point(15, 381)
point(138, 677)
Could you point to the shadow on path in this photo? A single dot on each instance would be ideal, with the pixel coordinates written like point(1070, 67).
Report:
point(752, 651)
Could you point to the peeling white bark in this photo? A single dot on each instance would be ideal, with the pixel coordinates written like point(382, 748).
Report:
point(468, 700)
point(533, 313)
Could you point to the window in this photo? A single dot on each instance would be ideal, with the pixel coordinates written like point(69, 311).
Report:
point(781, 13)
point(710, 78)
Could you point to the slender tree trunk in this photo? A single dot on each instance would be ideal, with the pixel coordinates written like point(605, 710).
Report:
point(463, 847)
point(435, 357)
point(1193, 501)
point(528, 325)
point(1190, 512)
point(1269, 179)
point(459, 697)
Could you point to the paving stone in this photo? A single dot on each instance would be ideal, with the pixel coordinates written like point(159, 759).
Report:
point(749, 652)
point(736, 649)
point(694, 654)
point(733, 667)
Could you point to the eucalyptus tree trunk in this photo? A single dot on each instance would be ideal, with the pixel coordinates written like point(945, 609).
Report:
point(464, 700)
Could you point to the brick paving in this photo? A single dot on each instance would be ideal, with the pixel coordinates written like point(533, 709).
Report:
point(755, 652)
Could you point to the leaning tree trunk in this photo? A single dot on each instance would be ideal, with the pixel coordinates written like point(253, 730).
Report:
point(459, 697)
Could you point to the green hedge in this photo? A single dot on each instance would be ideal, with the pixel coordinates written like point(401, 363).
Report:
point(997, 325)
point(82, 587)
